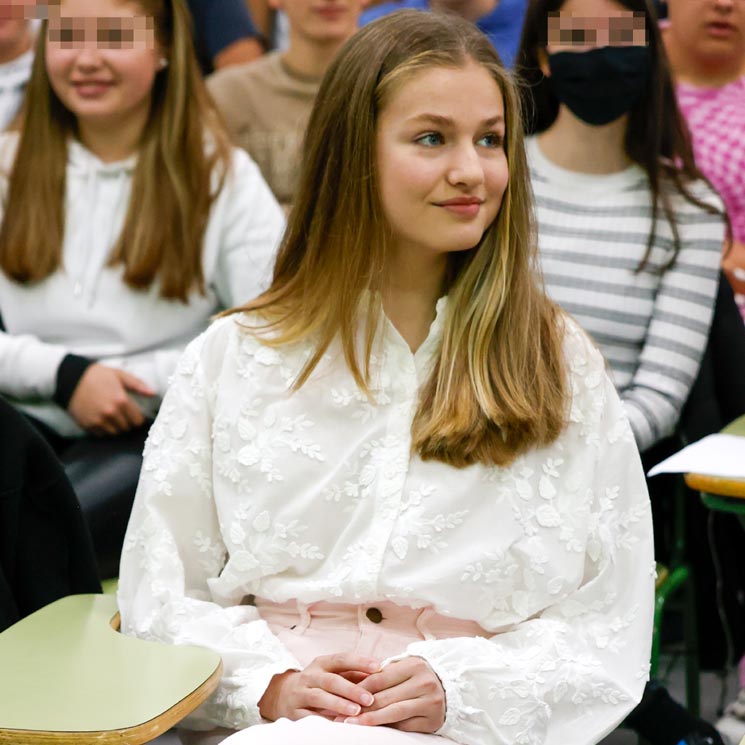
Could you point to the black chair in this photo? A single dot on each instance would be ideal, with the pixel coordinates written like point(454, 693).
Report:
point(45, 547)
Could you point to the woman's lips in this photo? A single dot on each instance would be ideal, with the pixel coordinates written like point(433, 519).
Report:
point(462, 207)
point(92, 88)
point(331, 13)
point(720, 30)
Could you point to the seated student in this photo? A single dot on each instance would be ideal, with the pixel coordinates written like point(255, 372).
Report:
point(127, 222)
point(500, 20)
point(16, 56)
point(706, 45)
point(398, 489)
point(617, 218)
point(224, 33)
point(266, 104)
point(629, 232)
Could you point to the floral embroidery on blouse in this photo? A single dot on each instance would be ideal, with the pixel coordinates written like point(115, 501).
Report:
point(247, 487)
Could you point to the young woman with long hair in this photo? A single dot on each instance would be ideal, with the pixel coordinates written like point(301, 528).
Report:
point(128, 221)
point(397, 489)
point(629, 232)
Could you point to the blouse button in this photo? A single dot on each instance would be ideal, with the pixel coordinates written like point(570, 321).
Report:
point(374, 615)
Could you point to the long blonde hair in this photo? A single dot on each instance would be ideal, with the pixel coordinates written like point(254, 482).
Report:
point(174, 184)
point(498, 387)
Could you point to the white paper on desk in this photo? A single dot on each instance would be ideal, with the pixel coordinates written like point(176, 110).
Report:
point(715, 455)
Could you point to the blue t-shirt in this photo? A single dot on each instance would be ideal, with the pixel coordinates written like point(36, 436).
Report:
point(503, 25)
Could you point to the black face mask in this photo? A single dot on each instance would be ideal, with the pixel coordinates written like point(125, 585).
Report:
point(600, 85)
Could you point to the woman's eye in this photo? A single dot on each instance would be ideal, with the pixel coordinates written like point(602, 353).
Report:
point(431, 139)
point(114, 37)
point(62, 35)
point(491, 140)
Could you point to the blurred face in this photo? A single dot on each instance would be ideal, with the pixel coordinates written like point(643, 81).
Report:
point(442, 167)
point(586, 24)
point(322, 21)
point(102, 59)
point(709, 29)
point(14, 26)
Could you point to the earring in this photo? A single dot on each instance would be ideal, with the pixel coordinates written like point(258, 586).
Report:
point(163, 63)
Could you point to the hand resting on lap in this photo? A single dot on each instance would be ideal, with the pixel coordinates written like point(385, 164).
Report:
point(328, 687)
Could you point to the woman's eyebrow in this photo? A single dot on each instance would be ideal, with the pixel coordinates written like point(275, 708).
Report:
point(447, 121)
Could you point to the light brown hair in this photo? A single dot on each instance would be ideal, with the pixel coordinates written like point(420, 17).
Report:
point(182, 160)
point(498, 387)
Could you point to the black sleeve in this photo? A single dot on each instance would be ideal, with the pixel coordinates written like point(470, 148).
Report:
point(46, 550)
point(69, 372)
point(718, 393)
point(728, 351)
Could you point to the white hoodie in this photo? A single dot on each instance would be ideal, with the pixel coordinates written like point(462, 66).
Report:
point(85, 308)
point(14, 76)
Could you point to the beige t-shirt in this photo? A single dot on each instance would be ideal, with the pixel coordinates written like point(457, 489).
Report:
point(266, 108)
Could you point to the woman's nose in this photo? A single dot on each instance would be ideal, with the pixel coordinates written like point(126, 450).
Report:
point(466, 167)
point(88, 57)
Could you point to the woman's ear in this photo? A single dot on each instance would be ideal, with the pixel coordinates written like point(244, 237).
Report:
point(543, 62)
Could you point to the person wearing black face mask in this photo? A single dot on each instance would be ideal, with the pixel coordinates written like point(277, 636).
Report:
point(629, 231)
point(600, 85)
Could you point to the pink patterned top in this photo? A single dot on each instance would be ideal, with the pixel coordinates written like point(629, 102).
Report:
point(716, 117)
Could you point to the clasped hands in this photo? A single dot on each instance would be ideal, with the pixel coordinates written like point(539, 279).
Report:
point(405, 695)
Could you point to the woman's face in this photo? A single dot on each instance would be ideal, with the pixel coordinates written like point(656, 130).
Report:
point(709, 29)
point(15, 37)
point(441, 160)
point(586, 24)
point(102, 59)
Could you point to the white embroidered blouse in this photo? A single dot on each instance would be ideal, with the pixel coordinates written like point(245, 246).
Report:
point(247, 489)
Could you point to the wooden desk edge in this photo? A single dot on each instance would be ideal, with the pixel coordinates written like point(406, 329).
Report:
point(136, 735)
point(721, 487)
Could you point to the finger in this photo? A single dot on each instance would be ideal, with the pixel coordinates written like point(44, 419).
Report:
point(406, 691)
point(109, 425)
point(117, 419)
point(317, 698)
point(354, 676)
point(339, 686)
point(133, 414)
point(415, 724)
point(397, 712)
point(345, 662)
point(386, 678)
point(133, 383)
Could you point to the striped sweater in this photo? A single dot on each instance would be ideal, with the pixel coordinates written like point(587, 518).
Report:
point(652, 326)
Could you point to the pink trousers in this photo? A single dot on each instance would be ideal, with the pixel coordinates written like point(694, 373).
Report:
point(309, 631)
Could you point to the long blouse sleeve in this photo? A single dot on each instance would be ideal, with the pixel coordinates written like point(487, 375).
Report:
point(571, 673)
point(173, 548)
